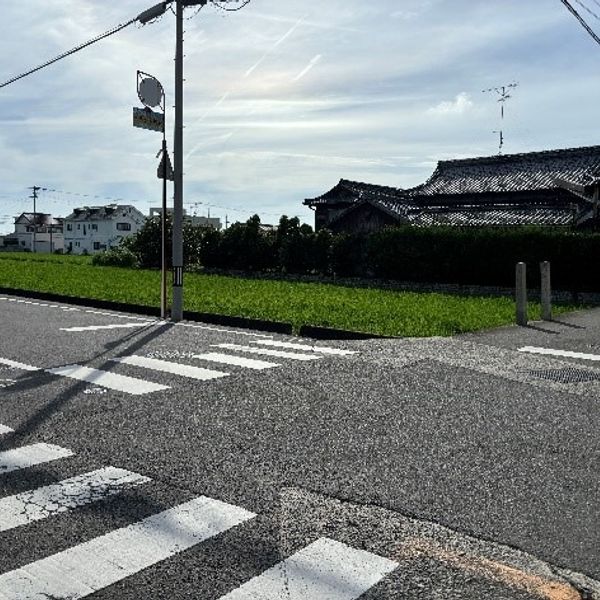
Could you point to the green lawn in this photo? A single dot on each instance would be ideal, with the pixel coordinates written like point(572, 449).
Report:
point(376, 311)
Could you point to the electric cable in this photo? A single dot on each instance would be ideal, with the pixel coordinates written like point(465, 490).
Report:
point(217, 4)
point(584, 24)
point(69, 52)
point(591, 12)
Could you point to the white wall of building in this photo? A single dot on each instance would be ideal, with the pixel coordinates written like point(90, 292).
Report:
point(91, 234)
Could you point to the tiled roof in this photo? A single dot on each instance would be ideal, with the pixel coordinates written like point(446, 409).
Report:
point(512, 173)
point(347, 191)
point(98, 213)
point(492, 216)
point(40, 218)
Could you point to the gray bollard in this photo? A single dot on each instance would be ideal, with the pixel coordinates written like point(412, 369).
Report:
point(521, 293)
point(546, 291)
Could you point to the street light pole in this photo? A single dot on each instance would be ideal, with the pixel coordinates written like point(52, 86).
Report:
point(177, 308)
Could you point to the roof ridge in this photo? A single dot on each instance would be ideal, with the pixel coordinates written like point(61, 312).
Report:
point(496, 158)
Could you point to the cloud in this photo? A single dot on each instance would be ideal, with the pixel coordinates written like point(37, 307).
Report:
point(460, 105)
point(308, 67)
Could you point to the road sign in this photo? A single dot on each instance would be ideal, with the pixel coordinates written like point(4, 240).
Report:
point(161, 166)
point(146, 118)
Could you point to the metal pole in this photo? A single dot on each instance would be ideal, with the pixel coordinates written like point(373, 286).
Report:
point(546, 291)
point(35, 189)
point(521, 293)
point(177, 308)
point(163, 274)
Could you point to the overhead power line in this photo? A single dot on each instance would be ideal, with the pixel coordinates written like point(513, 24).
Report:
point(587, 9)
point(584, 24)
point(144, 18)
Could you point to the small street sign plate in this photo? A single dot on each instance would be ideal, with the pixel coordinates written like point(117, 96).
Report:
point(148, 119)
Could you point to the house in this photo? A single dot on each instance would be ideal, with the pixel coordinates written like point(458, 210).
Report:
point(550, 188)
point(212, 222)
point(36, 232)
point(93, 229)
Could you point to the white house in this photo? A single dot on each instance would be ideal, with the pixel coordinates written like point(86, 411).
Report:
point(93, 229)
point(48, 233)
point(212, 222)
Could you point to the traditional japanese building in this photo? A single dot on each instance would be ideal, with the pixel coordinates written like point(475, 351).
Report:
point(558, 188)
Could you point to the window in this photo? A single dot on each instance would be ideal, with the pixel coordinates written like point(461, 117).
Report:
point(78, 225)
point(69, 227)
point(123, 226)
point(77, 244)
point(29, 229)
point(96, 245)
point(94, 227)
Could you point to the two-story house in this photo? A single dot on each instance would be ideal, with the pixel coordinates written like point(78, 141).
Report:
point(39, 232)
point(92, 229)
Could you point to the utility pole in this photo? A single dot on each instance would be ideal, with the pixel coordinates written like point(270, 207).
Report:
point(35, 189)
point(177, 307)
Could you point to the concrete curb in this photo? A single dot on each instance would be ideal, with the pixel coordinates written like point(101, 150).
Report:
point(326, 333)
point(319, 333)
point(212, 319)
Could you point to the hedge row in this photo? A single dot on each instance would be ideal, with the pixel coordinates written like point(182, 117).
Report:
point(474, 256)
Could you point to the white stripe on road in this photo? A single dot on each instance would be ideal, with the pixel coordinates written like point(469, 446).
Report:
point(324, 569)
point(121, 383)
point(564, 353)
point(29, 456)
point(17, 365)
point(170, 367)
point(5, 429)
point(92, 566)
point(293, 346)
point(265, 352)
point(65, 495)
point(238, 361)
point(117, 326)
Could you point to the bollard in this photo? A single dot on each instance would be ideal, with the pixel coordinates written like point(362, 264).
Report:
point(546, 291)
point(521, 293)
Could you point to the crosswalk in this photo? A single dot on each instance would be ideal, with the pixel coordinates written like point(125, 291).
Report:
point(325, 568)
point(258, 355)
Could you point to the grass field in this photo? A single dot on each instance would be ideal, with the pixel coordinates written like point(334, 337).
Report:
point(376, 311)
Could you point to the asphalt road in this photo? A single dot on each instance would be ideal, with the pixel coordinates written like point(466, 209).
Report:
point(141, 459)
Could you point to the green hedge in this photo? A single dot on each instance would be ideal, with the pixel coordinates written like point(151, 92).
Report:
point(471, 256)
point(485, 256)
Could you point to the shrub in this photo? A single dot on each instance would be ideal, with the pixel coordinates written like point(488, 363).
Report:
point(116, 257)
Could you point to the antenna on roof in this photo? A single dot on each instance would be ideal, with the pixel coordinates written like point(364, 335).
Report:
point(504, 93)
point(501, 140)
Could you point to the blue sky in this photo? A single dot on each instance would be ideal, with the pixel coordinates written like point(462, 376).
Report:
point(284, 98)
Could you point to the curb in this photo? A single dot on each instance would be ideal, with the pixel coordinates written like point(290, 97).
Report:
point(151, 311)
point(310, 331)
point(326, 333)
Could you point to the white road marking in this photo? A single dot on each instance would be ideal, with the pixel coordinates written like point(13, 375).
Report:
point(113, 381)
point(5, 429)
point(266, 352)
point(293, 346)
point(238, 361)
point(171, 367)
point(29, 456)
point(17, 365)
point(117, 326)
point(221, 330)
point(118, 316)
point(324, 569)
point(65, 495)
point(564, 353)
point(89, 567)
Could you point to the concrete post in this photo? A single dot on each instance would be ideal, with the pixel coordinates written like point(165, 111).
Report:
point(546, 291)
point(521, 293)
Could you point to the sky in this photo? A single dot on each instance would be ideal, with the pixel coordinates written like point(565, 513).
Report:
point(285, 98)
